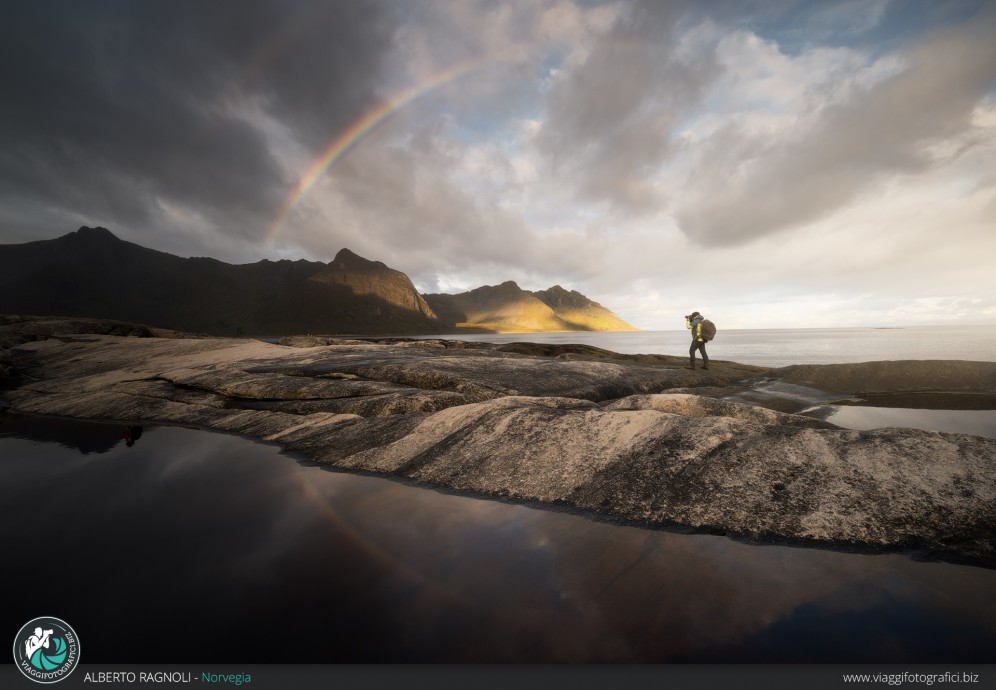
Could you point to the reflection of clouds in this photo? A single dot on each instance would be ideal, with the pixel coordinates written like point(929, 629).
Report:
point(453, 578)
point(553, 586)
point(178, 452)
point(695, 593)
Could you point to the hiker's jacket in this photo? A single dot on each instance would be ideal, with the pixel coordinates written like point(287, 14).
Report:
point(695, 325)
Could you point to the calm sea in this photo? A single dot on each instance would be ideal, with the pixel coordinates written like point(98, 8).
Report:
point(784, 347)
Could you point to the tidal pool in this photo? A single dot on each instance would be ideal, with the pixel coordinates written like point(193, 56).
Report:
point(197, 547)
point(975, 422)
point(952, 412)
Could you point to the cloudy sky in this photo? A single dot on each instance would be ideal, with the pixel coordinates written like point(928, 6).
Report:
point(771, 164)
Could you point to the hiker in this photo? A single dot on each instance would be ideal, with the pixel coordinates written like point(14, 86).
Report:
point(693, 322)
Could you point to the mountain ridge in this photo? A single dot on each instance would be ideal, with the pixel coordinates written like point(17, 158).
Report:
point(93, 273)
point(507, 308)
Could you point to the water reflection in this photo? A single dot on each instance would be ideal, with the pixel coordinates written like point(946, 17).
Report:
point(131, 435)
point(81, 435)
point(975, 422)
point(220, 549)
point(960, 413)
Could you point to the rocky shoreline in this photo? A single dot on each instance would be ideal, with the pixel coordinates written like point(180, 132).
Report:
point(637, 438)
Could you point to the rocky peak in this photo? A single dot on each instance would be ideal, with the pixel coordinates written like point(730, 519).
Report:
point(373, 278)
point(93, 234)
point(347, 260)
point(507, 289)
point(559, 298)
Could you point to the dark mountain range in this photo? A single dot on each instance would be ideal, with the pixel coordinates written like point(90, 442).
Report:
point(92, 273)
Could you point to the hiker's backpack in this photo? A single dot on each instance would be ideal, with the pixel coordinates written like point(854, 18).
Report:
point(708, 331)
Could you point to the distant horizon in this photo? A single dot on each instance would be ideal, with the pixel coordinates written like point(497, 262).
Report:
point(784, 346)
point(683, 330)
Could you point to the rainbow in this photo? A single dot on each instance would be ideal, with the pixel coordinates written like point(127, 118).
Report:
point(349, 137)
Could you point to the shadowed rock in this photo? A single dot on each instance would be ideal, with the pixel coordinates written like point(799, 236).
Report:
point(600, 432)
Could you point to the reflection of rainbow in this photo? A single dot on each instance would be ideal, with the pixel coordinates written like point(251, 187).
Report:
point(352, 134)
point(316, 489)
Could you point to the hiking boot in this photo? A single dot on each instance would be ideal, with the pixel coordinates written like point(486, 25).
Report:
point(690, 366)
point(705, 366)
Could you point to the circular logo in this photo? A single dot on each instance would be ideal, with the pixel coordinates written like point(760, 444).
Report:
point(46, 650)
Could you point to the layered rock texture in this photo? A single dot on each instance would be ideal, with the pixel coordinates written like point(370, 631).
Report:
point(621, 437)
point(91, 273)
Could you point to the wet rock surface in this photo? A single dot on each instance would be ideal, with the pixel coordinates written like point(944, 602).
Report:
point(623, 437)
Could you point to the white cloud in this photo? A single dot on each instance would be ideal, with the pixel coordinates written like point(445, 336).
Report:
point(851, 17)
point(882, 124)
point(695, 164)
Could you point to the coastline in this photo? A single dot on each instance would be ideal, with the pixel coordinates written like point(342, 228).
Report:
point(633, 438)
point(790, 346)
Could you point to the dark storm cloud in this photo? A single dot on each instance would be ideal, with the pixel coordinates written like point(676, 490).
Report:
point(905, 124)
point(611, 119)
point(119, 110)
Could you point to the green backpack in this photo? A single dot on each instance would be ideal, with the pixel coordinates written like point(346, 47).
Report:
point(708, 330)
